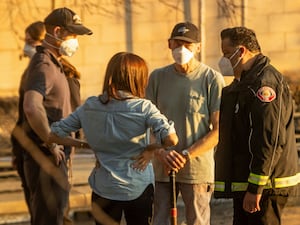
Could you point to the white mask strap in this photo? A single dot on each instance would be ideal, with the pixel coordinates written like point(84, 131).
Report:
point(54, 37)
point(234, 54)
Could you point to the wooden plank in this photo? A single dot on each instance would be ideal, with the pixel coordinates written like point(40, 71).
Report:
point(297, 115)
point(14, 203)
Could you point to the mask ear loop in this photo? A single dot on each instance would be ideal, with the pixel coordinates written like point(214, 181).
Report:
point(56, 38)
point(234, 54)
point(240, 58)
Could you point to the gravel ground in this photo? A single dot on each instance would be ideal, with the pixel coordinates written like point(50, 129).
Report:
point(221, 215)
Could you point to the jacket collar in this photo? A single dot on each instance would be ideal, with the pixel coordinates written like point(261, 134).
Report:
point(249, 77)
point(255, 71)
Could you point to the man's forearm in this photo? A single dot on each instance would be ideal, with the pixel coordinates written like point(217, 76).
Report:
point(209, 141)
point(36, 114)
point(70, 141)
point(204, 144)
point(39, 123)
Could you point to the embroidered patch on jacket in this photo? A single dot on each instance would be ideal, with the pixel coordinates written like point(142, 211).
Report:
point(266, 94)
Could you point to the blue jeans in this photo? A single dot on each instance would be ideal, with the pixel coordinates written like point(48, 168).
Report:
point(196, 198)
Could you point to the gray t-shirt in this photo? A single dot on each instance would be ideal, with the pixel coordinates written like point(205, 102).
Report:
point(188, 100)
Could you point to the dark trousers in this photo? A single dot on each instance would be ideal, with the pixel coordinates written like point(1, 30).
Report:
point(138, 211)
point(18, 162)
point(48, 199)
point(271, 207)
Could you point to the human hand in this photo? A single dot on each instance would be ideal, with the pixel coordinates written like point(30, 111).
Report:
point(251, 202)
point(172, 160)
point(58, 153)
point(142, 160)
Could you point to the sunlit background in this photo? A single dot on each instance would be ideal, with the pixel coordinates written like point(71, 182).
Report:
point(143, 27)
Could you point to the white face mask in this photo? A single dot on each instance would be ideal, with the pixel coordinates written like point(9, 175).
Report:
point(225, 65)
point(69, 47)
point(29, 50)
point(182, 55)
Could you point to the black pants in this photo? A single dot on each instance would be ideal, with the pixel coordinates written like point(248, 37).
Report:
point(18, 154)
point(48, 199)
point(137, 212)
point(271, 207)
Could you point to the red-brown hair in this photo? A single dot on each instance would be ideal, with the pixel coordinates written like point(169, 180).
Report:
point(126, 72)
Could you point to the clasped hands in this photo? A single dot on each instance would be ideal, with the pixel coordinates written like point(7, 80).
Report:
point(171, 159)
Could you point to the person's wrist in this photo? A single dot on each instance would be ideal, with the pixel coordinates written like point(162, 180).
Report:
point(51, 146)
point(161, 151)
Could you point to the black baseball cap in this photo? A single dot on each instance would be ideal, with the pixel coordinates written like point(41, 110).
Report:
point(67, 19)
point(186, 31)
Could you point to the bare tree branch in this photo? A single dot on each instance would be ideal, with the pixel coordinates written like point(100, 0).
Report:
point(228, 9)
point(170, 5)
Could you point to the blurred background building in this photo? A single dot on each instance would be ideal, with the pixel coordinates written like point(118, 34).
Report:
point(144, 26)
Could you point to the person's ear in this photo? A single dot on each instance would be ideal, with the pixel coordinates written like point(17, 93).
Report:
point(243, 51)
point(198, 47)
point(169, 44)
point(57, 32)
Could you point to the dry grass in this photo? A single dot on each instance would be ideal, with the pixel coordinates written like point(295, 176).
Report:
point(8, 116)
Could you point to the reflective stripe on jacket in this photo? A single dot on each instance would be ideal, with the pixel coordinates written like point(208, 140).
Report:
point(282, 182)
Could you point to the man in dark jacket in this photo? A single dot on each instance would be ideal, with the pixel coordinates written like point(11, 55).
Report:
point(256, 158)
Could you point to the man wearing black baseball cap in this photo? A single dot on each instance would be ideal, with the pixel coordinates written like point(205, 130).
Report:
point(188, 92)
point(66, 18)
point(46, 100)
point(62, 26)
point(186, 32)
